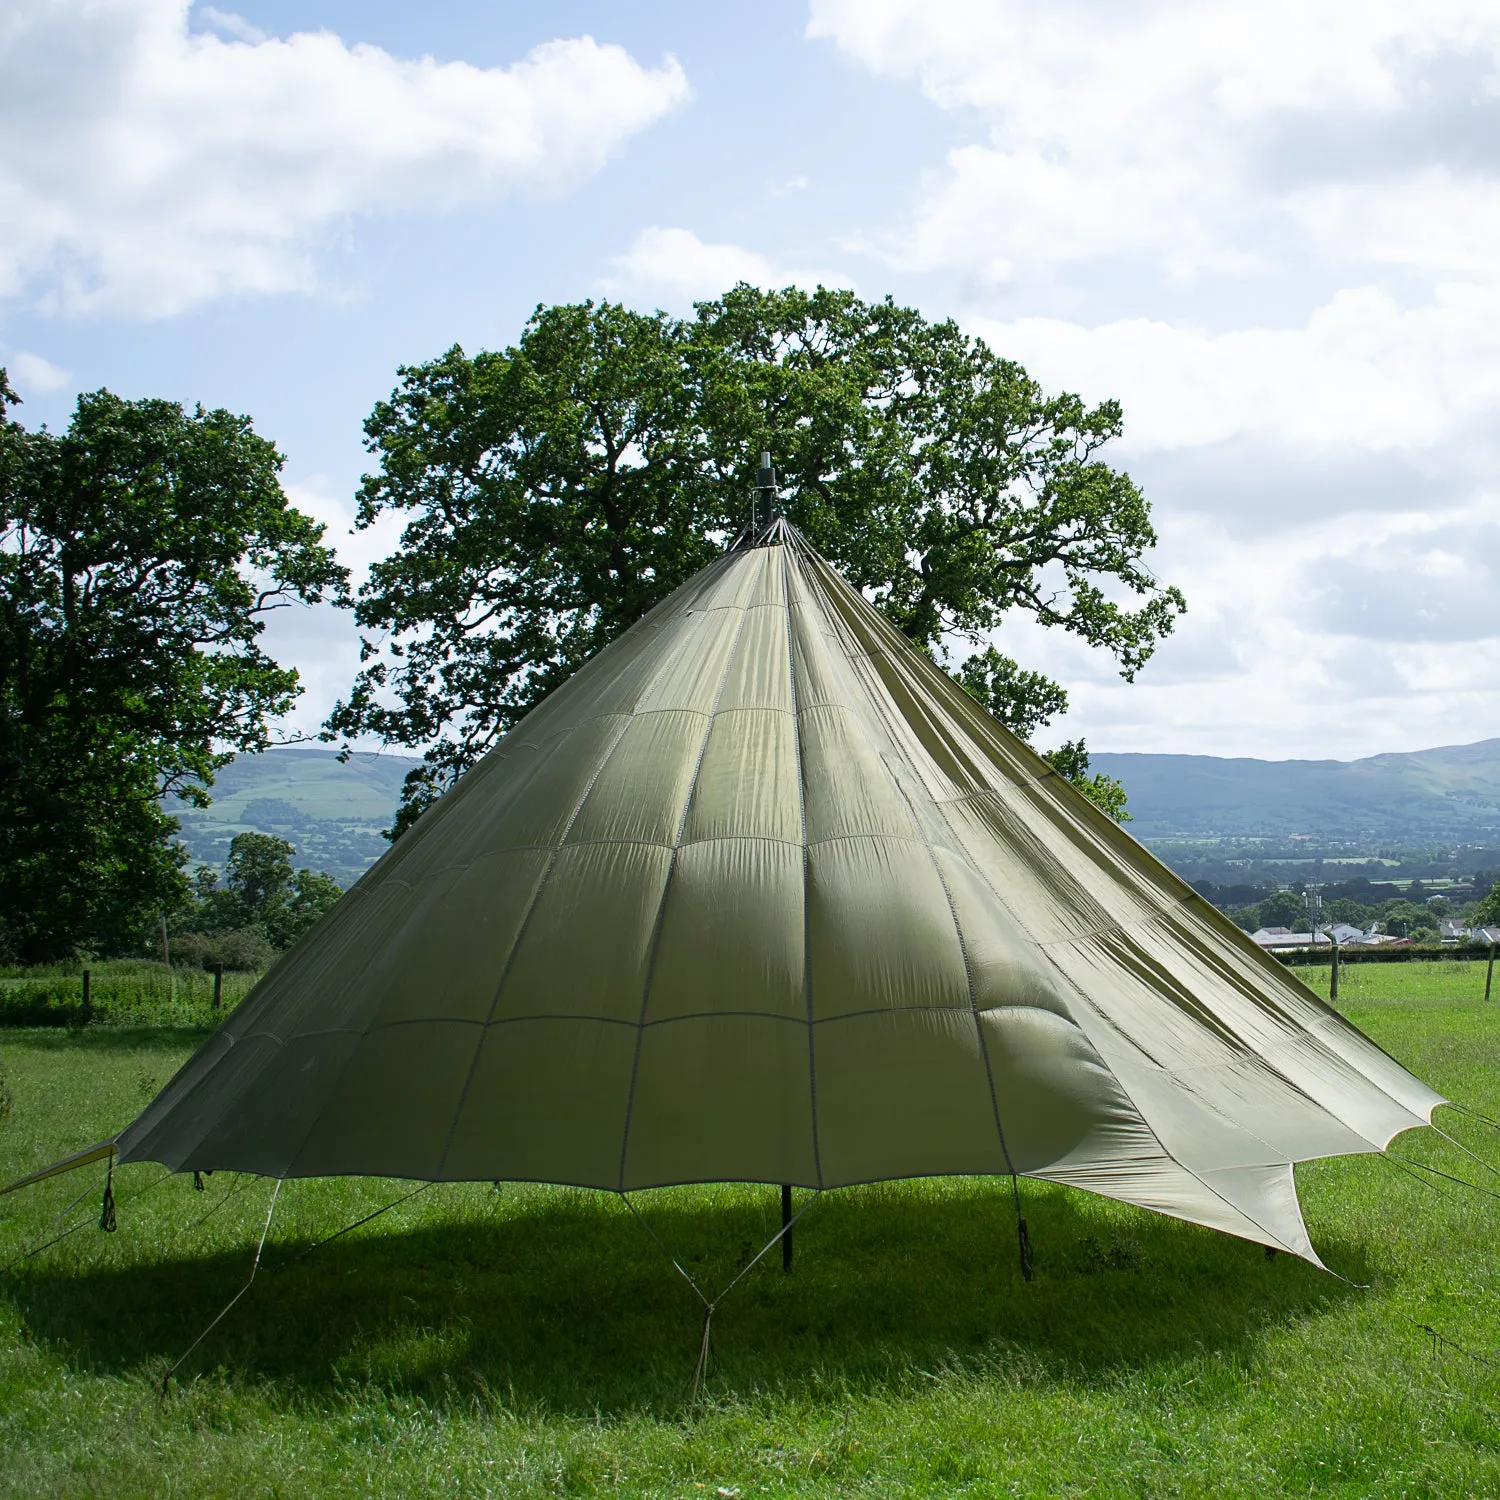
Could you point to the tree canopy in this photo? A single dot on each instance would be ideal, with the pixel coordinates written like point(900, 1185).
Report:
point(140, 552)
point(261, 896)
point(558, 489)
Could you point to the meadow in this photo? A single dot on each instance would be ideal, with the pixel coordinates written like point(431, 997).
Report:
point(531, 1341)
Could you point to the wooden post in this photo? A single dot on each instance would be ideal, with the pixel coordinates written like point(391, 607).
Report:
point(786, 1226)
point(1489, 973)
point(1333, 983)
point(86, 1014)
point(218, 985)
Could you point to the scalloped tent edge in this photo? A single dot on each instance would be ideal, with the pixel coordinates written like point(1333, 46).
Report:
point(761, 895)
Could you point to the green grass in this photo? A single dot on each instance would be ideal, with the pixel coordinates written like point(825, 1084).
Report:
point(533, 1341)
point(122, 992)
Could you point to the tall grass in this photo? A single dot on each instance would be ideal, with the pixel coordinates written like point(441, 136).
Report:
point(122, 992)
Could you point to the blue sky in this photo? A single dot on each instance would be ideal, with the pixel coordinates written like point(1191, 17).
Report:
point(1271, 231)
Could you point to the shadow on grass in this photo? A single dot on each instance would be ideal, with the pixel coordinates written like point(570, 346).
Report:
point(562, 1302)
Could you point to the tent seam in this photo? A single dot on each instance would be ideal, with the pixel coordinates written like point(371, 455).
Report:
point(670, 659)
point(807, 984)
point(661, 906)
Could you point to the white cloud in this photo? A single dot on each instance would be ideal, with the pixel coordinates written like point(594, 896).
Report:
point(1437, 221)
point(30, 372)
point(676, 267)
point(1160, 129)
point(229, 23)
point(1333, 637)
point(153, 167)
point(1362, 371)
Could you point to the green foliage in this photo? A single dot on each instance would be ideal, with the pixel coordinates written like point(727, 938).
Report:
point(1406, 918)
point(535, 1341)
point(139, 552)
point(1023, 701)
point(262, 897)
point(1281, 909)
point(1488, 912)
point(244, 948)
point(1399, 917)
point(123, 993)
point(556, 490)
point(1071, 761)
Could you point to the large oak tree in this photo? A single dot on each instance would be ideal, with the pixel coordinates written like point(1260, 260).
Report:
point(556, 490)
point(140, 552)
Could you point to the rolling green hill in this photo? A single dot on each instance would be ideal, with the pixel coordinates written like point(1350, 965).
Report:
point(1443, 794)
point(333, 813)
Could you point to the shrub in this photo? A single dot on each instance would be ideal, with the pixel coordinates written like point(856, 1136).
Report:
point(245, 948)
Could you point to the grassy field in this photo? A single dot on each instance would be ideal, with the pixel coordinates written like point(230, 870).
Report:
point(528, 1342)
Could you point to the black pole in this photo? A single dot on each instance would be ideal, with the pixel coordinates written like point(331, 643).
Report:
point(1489, 973)
point(764, 507)
point(87, 1013)
point(786, 1226)
point(1333, 983)
point(218, 985)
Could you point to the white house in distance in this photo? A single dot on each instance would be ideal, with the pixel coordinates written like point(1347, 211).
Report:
point(1345, 934)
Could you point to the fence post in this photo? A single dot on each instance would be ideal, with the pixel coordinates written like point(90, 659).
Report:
point(218, 985)
point(1489, 973)
point(1333, 983)
point(86, 1012)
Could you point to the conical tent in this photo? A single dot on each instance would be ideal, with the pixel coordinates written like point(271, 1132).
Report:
point(761, 895)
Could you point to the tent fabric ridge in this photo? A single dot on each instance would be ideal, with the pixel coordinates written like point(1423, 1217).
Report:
point(1239, 1209)
point(518, 939)
point(1292, 1030)
point(1090, 1007)
point(984, 1046)
point(536, 896)
point(666, 889)
point(807, 975)
point(228, 1039)
point(963, 946)
point(1271, 1067)
point(1173, 990)
point(1178, 1076)
point(898, 746)
point(1256, 1057)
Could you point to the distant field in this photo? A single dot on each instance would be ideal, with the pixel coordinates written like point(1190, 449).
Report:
point(530, 1342)
point(331, 811)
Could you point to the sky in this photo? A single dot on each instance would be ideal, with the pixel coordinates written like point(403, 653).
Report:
point(1271, 231)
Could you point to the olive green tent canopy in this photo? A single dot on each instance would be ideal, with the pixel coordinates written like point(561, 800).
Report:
point(761, 895)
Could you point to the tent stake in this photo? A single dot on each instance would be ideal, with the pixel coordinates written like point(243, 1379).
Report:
point(786, 1226)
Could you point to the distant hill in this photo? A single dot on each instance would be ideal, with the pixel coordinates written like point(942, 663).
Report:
point(331, 812)
point(1448, 793)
